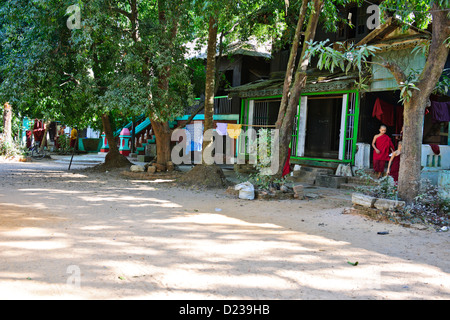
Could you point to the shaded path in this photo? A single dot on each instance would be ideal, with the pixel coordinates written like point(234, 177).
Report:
point(140, 239)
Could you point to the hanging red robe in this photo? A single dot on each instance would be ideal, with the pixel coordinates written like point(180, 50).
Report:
point(287, 167)
point(384, 112)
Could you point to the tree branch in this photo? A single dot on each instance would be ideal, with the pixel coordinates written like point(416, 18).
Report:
point(71, 78)
point(123, 12)
point(438, 51)
point(396, 71)
point(291, 63)
point(201, 106)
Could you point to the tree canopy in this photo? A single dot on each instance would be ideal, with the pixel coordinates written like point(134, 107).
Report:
point(110, 64)
point(128, 57)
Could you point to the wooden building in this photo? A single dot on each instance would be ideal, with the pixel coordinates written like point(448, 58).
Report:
point(335, 121)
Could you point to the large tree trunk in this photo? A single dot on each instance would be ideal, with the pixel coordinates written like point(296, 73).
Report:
point(410, 161)
point(163, 136)
point(114, 159)
point(7, 117)
point(287, 120)
point(216, 84)
point(210, 76)
point(291, 64)
point(161, 128)
point(44, 138)
point(204, 175)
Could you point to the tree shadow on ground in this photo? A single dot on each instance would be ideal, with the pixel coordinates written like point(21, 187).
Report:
point(133, 239)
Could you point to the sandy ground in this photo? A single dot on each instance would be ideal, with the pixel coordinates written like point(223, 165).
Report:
point(71, 235)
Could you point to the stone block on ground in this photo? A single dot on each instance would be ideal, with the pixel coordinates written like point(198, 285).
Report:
point(298, 191)
point(363, 200)
point(151, 169)
point(137, 168)
point(170, 166)
point(387, 204)
point(159, 167)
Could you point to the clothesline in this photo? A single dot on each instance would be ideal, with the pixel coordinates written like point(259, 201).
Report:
point(260, 125)
point(387, 113)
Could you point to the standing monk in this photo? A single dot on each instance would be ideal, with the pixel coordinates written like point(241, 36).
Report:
point(394, 164)
point(382, 146)
point(73, 137)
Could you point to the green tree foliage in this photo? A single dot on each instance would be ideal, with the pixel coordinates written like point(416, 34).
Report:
point(37, 61)
point(111, 64)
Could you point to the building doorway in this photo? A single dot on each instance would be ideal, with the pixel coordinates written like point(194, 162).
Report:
point(323, 126)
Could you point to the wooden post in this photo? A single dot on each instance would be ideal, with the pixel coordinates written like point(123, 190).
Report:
point(133, 136)
point(44, 138)
point(73, 153)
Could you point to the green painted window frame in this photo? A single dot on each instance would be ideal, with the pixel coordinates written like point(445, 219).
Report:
point(354, 139)
point(244, 113)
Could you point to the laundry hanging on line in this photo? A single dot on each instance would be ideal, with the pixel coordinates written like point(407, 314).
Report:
point(440, 111)
point(195, 137)
point(435, 148)
point(384, 112)
point(221, 128)
point(234, 130)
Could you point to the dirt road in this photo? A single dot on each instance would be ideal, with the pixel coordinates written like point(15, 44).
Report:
point(70, 235)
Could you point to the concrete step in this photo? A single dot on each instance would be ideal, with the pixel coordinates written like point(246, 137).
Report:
point(330, 181)
point(309, 174)
point(349, 186)
point(325, 177)
point(360, 181)
point(313, 171)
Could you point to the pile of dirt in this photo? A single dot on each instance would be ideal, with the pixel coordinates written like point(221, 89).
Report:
point(112, 162)
point(150, 176)
point(204, 176)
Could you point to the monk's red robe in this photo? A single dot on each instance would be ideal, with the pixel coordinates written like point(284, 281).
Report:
point(383, 143)
point(395, 168)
